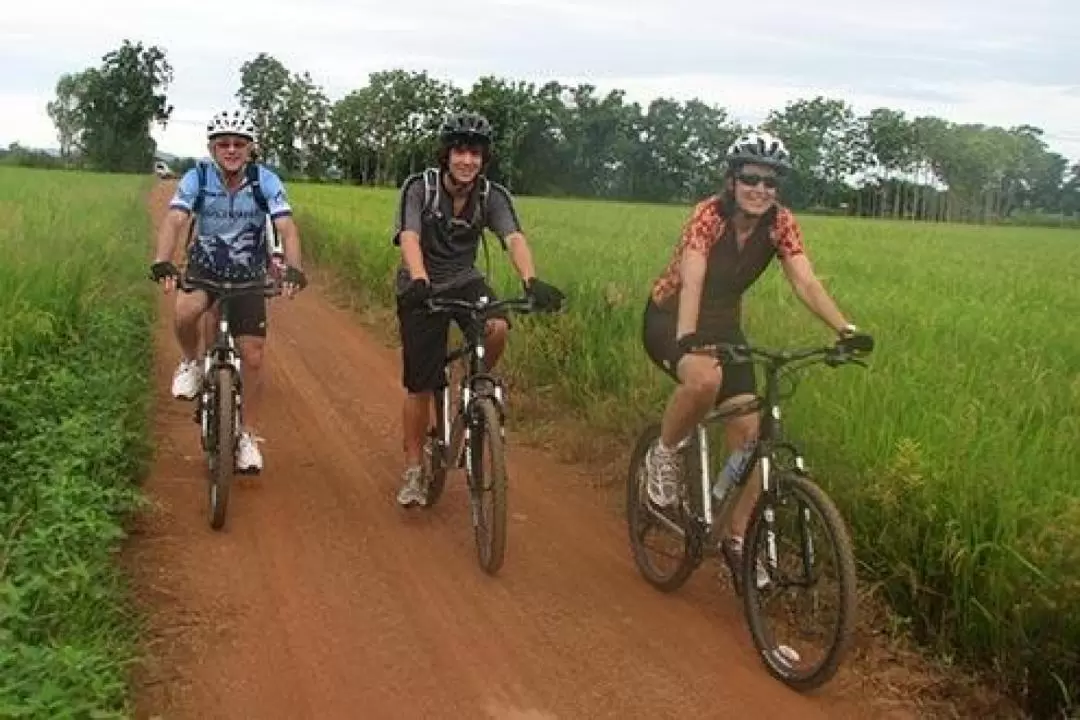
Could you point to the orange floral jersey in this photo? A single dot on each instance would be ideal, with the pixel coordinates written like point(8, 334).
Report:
point(705, 228)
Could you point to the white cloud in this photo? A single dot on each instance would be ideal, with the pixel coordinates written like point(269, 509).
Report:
point(990, 61)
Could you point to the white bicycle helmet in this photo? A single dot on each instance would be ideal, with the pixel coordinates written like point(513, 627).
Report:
point(761, 148)
point(234, 122)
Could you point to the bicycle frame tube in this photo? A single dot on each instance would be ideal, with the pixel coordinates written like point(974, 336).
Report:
point(706, 484)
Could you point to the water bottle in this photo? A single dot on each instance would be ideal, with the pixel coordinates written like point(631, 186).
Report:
point(732, 470)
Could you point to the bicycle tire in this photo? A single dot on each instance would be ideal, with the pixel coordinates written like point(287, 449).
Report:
point(837, 533)
point(435, 455)
point(222, 455)
point(490, 551)
point(636, 513)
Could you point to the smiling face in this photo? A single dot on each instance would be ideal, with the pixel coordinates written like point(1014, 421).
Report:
point(465, 162)
point(231, 152)
point(754, 187)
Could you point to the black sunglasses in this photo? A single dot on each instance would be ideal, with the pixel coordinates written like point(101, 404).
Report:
point(751, 179)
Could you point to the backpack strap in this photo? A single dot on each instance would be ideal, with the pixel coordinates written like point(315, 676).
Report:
point(480, 212)
point(252, 173)
point(200, 171)
point(431, 194)
point(196, 206)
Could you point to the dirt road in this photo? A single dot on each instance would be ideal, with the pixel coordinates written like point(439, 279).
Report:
point(322, 599)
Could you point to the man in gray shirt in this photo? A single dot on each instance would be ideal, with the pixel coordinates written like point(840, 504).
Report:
point(438, 257)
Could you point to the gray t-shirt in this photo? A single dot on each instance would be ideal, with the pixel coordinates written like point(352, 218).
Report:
point(449, 246)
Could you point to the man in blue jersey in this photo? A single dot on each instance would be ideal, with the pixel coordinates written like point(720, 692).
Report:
point(230, 198)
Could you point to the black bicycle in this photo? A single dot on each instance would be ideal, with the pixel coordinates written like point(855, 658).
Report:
point(218, 409)
point(468, 419)
point(765, 575)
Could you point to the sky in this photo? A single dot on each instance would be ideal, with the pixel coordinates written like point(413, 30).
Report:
point(997, 62)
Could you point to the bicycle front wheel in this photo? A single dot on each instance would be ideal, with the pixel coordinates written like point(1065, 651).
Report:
point(435, 454)
point(487, 486)
point(222, 453)
point(667, 562)
point(798, 549)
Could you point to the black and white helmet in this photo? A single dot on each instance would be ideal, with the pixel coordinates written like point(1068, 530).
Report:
point(761, 148)
point(231, 122)
point(466, 126)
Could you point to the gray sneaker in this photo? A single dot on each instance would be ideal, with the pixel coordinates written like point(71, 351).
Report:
point(412, 489)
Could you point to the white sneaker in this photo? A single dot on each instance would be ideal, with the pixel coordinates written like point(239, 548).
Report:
point(185, 382)
point(662, 468)
point(412, 488)
point(248, 457)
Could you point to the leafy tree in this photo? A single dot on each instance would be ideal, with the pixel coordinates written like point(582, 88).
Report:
point(107, 111)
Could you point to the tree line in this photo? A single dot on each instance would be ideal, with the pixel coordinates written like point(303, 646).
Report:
point(554, 139)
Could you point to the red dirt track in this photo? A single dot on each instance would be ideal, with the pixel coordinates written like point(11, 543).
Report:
point(322, 599)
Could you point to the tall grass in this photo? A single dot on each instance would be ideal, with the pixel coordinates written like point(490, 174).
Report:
point(75, 358)
point(953, 458)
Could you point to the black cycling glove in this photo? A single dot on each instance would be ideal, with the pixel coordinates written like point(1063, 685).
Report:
point(296, 277)
point(543, 295)
point(414, 296)
point(163, 269)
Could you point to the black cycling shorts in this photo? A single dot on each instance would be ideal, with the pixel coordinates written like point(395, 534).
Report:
point(424, 337)
point(247, 313)
point(658, 335)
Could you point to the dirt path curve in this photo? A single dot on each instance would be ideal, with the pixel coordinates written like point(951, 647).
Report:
point(322, 599)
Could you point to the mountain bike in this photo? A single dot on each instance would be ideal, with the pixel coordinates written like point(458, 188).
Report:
point(218, 407)
point(763, 575)
point(468, 418)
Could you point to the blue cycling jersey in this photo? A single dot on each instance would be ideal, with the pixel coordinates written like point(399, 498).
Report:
point(230, 231)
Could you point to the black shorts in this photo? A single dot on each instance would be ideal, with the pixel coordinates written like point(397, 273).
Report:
point(247, 313)
point(658, 334)
point(424, 337)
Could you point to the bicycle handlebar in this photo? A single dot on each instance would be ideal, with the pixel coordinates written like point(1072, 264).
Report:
point(479, 307)
point(845, 350)
point(228, 288)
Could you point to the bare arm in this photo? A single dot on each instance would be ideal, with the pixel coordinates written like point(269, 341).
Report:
point(521, 255)
point(290, 239)
point(412, 256)
point(692, 269)
point(808, 288)
point(168, 233)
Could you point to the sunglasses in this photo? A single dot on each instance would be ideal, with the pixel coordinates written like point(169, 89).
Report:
point(751, 179)
point(226, 144)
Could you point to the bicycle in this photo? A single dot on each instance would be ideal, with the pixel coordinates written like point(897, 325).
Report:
point(218, 408)
point(784, 481)
point(466, 420)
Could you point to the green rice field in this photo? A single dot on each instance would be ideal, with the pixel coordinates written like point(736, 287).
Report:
point(75, 366)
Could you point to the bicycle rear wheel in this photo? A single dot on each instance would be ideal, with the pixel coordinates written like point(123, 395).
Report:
point(221, 455)
point(489, 527)
point(803, 559)
point(682, 546)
